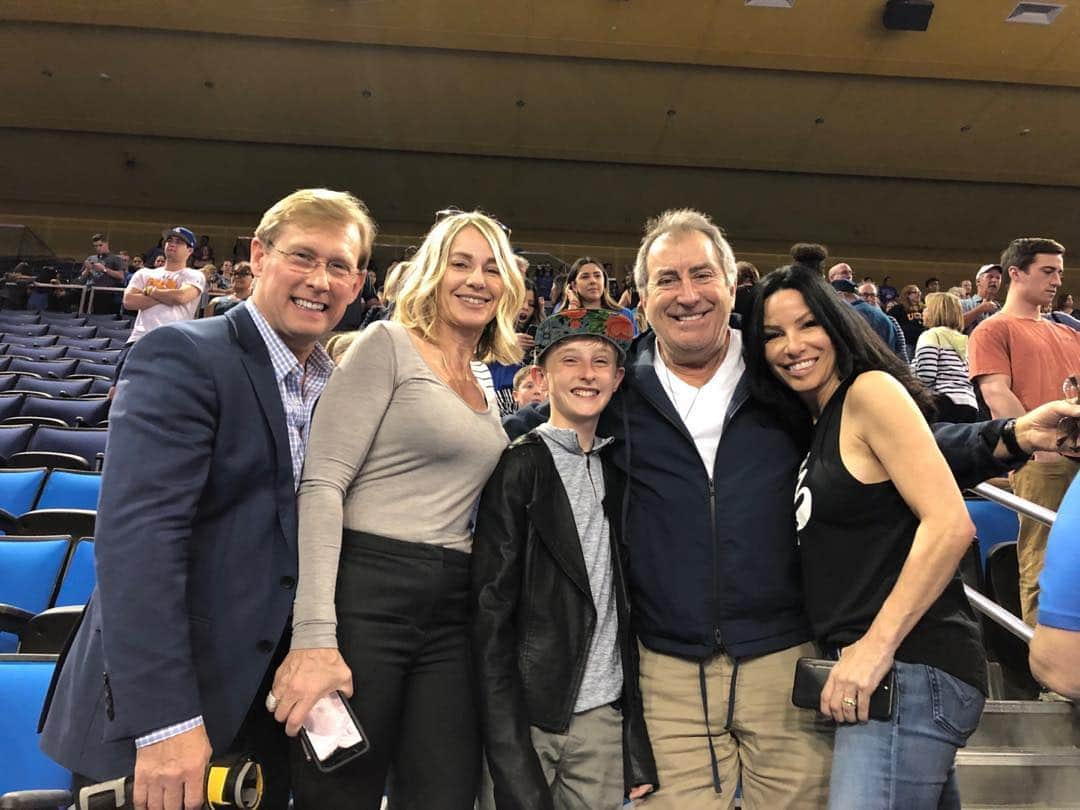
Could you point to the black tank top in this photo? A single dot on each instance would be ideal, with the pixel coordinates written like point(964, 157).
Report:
point(853, 540)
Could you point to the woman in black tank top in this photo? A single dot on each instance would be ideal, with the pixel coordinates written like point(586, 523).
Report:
point(881, 527)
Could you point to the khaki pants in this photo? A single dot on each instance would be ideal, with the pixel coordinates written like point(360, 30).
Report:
point(782, 754)
point(583, 767)
point(1044, 484)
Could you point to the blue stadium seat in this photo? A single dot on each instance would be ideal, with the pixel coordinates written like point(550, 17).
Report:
point(55, 388)
point(81, 332)
point(24, 329)
point(993, 524)
point(30, 569)
point(85, 442)
point(19, 490)
point(43, 352)
point(116, 334)
point(68, 489)
point(63, 318)
point(37, 342)
point(88, 411)
point(79, 576)
point(14, 439)
point(109, 321)
point(20, 315)
point(51, 369)
point(117, 343)
point(10, 404)
point(99, 386)
point(94, 355)
point(96, 369)
point(24, 680)
point(4, 360)
point(83, 343)
point(8, 381)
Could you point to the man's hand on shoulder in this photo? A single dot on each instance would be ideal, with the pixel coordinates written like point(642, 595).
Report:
point(171, 774)
point(302, 680)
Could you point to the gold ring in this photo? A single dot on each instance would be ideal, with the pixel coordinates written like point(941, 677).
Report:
point(849, 701)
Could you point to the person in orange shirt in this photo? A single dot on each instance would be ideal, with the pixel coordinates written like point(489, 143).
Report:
point(1019, 360)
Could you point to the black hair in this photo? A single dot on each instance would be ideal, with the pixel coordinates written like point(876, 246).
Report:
point(537, 317)
point(858, 348)
point(809, 254)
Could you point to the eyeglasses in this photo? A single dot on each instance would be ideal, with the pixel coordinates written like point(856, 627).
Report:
point(869, 296)
point(304, 262)
point(453, 211)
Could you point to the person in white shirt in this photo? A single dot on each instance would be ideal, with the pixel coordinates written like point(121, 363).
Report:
point(166, 294)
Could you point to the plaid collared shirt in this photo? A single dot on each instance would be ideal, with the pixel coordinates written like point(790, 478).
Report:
point(300, 388)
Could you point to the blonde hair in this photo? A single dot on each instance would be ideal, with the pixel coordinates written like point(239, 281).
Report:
point(521, 375)
point(683, 220)
point(311, 207)
point(943, 309)
point(338, 344)
point(903, 298)
point(394, 276)
point(417, 302)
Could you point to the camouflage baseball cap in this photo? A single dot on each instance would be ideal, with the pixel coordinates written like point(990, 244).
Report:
point(614, 327)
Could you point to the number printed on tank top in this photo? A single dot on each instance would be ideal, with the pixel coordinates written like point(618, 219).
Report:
point(804, 500)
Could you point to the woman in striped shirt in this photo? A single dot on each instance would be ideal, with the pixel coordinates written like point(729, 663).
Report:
point(941, 359)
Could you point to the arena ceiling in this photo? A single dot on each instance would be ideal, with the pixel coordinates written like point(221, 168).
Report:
point(571, 119)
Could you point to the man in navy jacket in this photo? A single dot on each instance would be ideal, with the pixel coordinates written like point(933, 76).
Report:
point(708, 527)
point(196, 547)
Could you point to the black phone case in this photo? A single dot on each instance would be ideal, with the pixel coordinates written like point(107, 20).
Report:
point(810, 677)
point(341, 756)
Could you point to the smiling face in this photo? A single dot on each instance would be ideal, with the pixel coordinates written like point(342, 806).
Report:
point(798, 350)
point(581, 373)
point(687, 298)
point(589, 286)
point(302, 307)
point(472, 285)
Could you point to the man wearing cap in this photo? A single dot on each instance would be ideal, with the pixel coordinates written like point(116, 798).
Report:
point(166, 294)
point(103, 269)
point(561, 712)
point(883, 325)
point(977, 308)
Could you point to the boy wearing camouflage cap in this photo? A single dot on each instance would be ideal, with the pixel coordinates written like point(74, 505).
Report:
point(555, 662)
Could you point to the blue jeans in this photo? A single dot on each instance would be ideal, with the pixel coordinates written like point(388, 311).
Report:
point(907, 762)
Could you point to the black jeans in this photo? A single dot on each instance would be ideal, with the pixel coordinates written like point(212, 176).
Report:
point(403, 614)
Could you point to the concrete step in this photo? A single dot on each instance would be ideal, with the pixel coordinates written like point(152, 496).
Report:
point(1027, 724)
point(1044, 776)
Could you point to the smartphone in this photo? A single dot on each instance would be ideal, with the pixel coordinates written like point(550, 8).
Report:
point(331, 734)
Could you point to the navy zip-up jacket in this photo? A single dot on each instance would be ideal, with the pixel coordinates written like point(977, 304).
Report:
point(712, 557)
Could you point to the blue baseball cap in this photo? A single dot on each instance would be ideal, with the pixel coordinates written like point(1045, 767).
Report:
point(183, 233)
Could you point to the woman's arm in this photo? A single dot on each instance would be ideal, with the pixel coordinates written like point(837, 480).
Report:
point(886, 422)
point(342, 430)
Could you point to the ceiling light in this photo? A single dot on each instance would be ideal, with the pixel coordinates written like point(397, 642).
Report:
point(1035, 13)
point(771, 3)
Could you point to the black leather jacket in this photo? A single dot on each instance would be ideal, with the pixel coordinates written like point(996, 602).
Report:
point(534, 618)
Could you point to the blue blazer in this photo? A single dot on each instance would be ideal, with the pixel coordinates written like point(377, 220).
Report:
point(195, 549)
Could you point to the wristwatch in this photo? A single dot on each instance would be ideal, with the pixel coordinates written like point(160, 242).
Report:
point(1008, 438)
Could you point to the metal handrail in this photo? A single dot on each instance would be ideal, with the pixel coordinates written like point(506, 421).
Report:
point(991, 609)
point(1016, 503)
point(982, 603)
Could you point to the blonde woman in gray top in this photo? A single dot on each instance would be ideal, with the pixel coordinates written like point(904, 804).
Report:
point(402, 442)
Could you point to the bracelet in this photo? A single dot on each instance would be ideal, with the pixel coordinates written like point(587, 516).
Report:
point(1008, 438)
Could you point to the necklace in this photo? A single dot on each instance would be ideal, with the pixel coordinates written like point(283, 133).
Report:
point(675, 400)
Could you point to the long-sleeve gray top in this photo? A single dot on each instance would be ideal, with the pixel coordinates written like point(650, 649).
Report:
point(393, 451)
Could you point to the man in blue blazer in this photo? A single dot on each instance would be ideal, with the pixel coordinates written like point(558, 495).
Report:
point(196, 529)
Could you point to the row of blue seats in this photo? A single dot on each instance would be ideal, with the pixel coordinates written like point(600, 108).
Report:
point(17, 407)
point(8, 328)
point(47, 316)
point(45, 341)
point(38, 573)
point(69, 387)
point(61, 368)
point(59, 351)
point(24, 490)
point(52, 446)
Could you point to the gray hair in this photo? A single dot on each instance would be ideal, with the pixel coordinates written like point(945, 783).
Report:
point(683, 220)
